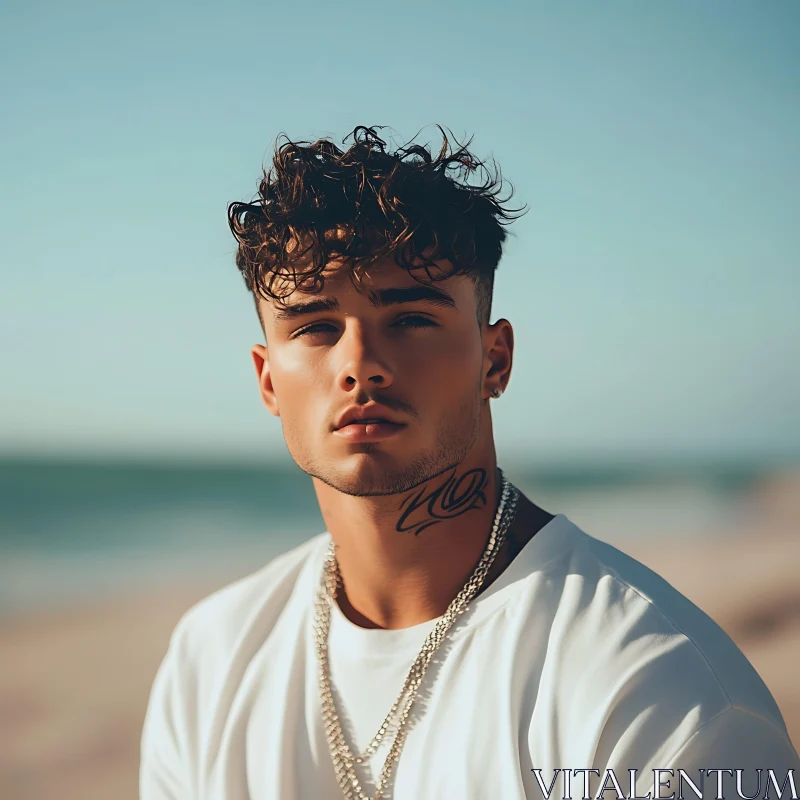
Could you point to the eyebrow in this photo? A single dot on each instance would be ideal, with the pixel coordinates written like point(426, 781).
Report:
point(380, 298)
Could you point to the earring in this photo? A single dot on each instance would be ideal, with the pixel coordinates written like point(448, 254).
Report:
point(496, 393)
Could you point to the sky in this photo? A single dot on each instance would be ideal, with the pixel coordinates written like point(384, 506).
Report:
point(653, 284)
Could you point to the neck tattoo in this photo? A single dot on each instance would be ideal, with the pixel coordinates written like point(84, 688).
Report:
point(451, 498)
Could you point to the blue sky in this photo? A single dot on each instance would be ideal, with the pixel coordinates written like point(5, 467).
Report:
point(653, 284)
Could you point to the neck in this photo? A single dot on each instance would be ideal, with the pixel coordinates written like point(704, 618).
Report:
point(404, 557)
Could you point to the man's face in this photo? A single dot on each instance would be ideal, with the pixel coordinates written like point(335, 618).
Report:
point(422, 359)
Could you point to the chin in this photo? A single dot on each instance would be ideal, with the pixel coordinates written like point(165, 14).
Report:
point(373, 472)
point(376, 472)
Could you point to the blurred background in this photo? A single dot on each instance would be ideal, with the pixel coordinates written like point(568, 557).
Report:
point(653, 287)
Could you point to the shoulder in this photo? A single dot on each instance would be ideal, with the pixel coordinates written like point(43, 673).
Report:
point(627, 644)
point(214, 640)
point(219, 620)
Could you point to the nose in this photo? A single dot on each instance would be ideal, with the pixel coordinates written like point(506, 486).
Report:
point(362, 368)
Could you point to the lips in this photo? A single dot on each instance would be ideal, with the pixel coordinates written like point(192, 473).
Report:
point(369, 414)
point(368, 423)
point(367, 431)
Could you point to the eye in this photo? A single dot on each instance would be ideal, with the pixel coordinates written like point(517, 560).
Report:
point(415, 321)
point(313, 329)
point(409, 321)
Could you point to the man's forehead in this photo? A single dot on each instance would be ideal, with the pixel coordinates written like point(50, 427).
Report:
point(378, 280)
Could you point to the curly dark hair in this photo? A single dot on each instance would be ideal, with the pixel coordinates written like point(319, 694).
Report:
point(362, 204)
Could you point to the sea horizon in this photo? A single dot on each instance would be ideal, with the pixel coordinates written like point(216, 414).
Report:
point(81, 528)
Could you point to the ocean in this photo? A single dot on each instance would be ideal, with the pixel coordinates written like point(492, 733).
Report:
point(73, 530)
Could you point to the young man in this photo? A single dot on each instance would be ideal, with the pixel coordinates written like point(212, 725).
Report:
point(445, 637)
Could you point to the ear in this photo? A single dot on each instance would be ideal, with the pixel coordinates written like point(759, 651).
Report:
point(498, 349)
point(261, 362)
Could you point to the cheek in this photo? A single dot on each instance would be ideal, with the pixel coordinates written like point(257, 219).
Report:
point(450, 361)
point(296, 381)
point(299, 366)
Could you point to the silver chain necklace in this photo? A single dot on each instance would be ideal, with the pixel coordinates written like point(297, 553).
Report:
point(344, 759)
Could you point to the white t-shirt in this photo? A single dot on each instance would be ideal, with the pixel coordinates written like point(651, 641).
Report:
point(576, 657)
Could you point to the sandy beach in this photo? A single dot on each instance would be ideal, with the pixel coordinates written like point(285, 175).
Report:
point(74, 684)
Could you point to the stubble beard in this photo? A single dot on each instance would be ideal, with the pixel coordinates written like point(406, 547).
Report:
point(458, 432)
